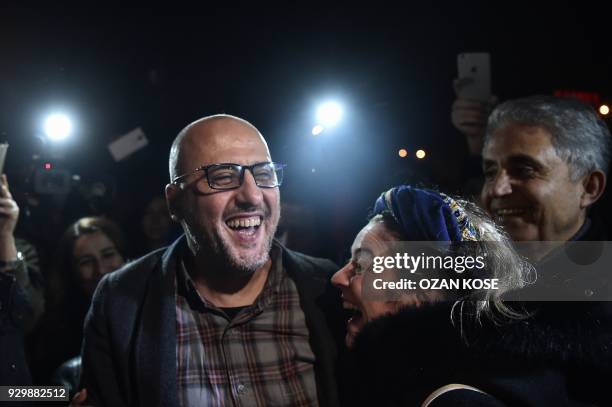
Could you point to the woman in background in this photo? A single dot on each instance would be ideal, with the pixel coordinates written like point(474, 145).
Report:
point(89, 248)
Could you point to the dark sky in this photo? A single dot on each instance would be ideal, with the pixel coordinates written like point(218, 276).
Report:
point(392, 67)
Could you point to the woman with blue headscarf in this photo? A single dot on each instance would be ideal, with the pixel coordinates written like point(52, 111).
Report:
point(439, 347)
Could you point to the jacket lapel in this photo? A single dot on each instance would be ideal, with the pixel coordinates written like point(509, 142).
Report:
point(156, 340)
point(321, 304)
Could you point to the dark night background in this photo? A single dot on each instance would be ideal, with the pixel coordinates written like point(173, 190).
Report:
point(392, 67)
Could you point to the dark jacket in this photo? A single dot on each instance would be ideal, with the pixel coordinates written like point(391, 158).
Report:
point(560, 356)
point(14, 309)
point(577, 271)
point(129, 349)
point(21, 305)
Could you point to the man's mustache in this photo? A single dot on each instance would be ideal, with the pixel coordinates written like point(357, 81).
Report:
point(264, 210)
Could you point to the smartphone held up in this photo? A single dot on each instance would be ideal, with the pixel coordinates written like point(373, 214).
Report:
point(474, 76)
point(3, 148)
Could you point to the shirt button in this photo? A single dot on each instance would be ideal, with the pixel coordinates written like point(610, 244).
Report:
point(241, 389)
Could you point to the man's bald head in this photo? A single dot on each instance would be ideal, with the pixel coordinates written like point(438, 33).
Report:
point(210, 129)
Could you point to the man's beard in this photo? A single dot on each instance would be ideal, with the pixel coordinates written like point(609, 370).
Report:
point(222, 256)
point(239, 265)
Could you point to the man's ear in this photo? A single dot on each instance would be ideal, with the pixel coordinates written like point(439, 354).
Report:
point(172, 200)
point(593, 185)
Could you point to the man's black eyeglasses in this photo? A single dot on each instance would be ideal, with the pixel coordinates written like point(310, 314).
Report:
point(226, 176)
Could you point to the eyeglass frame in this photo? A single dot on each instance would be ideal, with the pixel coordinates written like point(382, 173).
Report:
point(243, 168)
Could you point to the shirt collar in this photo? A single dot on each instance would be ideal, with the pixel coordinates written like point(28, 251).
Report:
point(186, 286)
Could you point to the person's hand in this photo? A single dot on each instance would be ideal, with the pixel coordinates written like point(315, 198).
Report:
point(470, 117)
point(78, 399)
point(9, 211)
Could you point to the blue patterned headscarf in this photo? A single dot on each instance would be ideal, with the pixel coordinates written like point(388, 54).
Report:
point(426, 215)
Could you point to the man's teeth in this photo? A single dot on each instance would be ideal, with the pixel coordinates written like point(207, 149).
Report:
point(244, 222)
point(509, 212)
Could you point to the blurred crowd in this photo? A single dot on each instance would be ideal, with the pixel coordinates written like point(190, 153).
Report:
point(49, 277)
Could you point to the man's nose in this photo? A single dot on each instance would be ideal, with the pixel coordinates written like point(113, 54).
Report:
point(501, 184)
point(341, 278)
point(249, 192)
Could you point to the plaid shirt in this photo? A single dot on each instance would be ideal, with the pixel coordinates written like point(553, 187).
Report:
point(260, 358)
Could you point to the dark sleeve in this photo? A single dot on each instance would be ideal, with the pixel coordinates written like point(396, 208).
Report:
point(13, 365)
point(99, 375)
point(27, 300)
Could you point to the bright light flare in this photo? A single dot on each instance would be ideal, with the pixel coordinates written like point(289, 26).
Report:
point(329, 114)
point(420, 154)
point(604, 110)
point(58, 126)
point(403, 153)
point(318, 129)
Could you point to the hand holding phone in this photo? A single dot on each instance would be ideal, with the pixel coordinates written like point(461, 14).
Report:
point(9, 213)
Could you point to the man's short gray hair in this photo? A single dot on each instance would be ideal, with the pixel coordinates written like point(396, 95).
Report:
point(579, 136)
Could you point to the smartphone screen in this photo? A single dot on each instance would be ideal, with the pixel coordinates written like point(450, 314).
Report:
point(474, 75)
point(3, 148)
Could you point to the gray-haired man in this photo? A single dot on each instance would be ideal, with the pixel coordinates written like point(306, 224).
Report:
point(545, 161)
